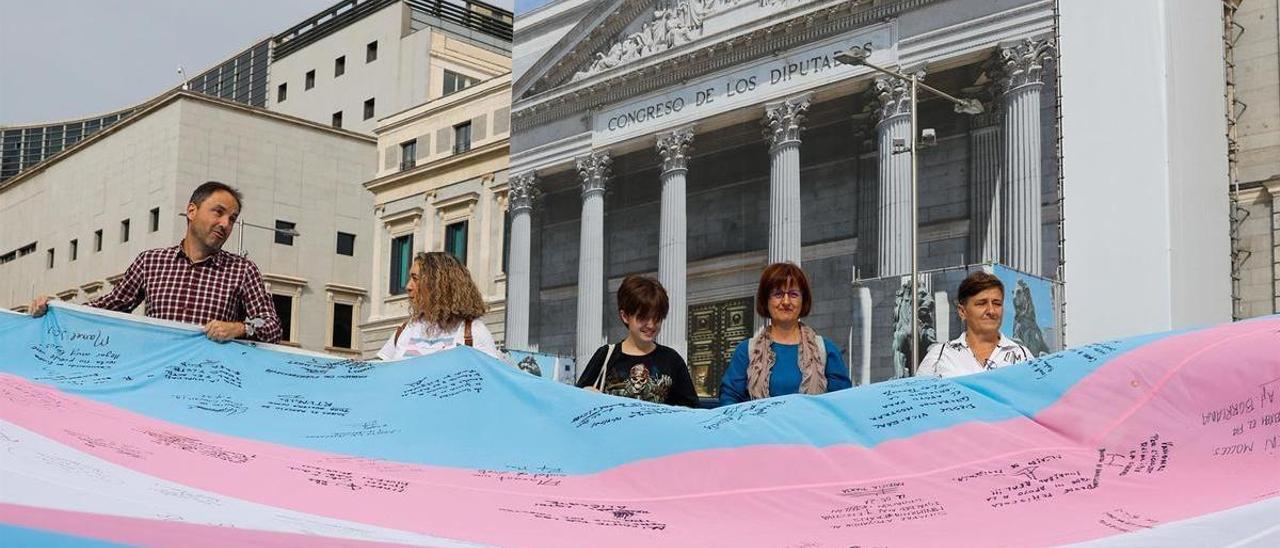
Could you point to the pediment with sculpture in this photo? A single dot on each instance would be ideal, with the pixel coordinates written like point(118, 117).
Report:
point(625, 48)
point(672, 24)
point(655, 28)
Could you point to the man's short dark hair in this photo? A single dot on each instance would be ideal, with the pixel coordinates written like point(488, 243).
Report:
point(976, 283)
point(643, 298)
point(207, 189)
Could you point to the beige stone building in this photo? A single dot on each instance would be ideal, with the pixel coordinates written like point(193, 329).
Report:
point(1252, 36)
point(118, 181)
point(441, 185)
point(73, 224)
point(358, 62)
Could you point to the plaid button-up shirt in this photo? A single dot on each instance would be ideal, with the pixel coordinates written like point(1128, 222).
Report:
point(223, 287)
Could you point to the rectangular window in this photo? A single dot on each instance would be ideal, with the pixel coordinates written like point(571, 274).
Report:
point(75, 249)
point(346, 244)
point(284, 232)
point(408, 154)
point(455, 240)
point(456, 82)
point(282, 92)
point(310, 81)
point(450, 82)
point(97, 240)
point(337, 119)
point(462, 137)
point(50, 261)
point(368, 109)
point(371, 52)
point(124, 231)
point(401, 258)
point(284, 310)
point(339, 66)
point(342, 320)
point(155, 219)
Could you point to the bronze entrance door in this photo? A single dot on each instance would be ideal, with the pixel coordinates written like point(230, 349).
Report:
point(715, 329)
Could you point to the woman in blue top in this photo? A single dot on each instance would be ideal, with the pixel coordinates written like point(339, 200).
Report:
point(787, 356)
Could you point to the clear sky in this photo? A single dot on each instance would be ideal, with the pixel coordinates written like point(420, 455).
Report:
point(526, 5)
point(64, 59)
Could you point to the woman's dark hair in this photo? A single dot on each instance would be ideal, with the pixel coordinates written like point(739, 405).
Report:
point(778, 276)
point(976, 283)
point(643, 298)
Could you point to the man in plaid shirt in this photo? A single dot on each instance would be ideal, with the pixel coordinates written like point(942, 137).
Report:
point(196, 281)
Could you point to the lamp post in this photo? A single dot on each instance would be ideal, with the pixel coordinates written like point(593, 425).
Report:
point(858, 55)
point(241, 226)
point(286, 231)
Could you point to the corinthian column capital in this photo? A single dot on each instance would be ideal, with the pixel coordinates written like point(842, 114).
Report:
point(784, 120)
point(1020, 64)
point(594, 169)
point(674, 148)
point(893, 96)
point(522, 189)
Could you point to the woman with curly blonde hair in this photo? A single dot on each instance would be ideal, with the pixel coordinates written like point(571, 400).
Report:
point(444, 311)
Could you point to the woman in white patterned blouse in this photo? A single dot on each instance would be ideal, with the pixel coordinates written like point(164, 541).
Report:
point(981, 347)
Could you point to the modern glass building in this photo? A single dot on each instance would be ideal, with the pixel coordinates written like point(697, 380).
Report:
point(244, 77)
point(26, 146)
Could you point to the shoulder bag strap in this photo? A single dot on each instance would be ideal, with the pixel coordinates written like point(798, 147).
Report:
point(822, 349)
point(599, 384)
point(466, 334)
point(400, 330)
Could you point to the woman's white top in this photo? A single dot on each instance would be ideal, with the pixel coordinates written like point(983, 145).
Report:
point(955, 358)
point(420, 338)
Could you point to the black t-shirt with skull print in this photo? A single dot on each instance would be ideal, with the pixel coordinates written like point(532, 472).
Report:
point(660, 376)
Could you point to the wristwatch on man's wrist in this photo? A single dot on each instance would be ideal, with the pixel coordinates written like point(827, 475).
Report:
point(251, 326)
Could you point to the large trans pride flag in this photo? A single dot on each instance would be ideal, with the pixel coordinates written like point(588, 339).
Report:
point(120, 431)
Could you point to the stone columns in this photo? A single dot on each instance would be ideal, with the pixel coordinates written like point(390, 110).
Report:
point(1019, 68)
point(378, 289)
point(893, 211)
point(594, 172)
point(868, 205)
point(984, 190)
point(783, 121)
point(673, 235)
point(520, 195)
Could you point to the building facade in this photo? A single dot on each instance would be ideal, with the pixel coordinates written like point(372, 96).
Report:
point(1146, 241)
point(344, 68)
point(22, 147)
point(441, 185)
point(360, 61)
point(125, 189)
point(348, 65)
point(699, 140)
point(1252, 37)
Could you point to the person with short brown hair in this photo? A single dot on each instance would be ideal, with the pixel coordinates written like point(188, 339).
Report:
point(786, 356)
point(196, 281)
point(981, 347)
point(638, 367)
point(444, 311)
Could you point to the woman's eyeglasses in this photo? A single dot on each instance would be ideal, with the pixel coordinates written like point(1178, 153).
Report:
point(778, 294)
